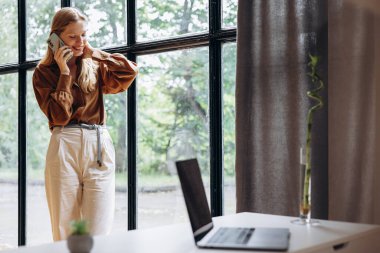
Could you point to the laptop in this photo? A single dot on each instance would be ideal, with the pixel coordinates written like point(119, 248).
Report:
point(208, 236)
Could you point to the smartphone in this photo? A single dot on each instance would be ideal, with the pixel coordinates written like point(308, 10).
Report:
point(55, 42)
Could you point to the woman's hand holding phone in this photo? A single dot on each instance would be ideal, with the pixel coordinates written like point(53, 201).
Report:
point(61, 56)
point(62, 53)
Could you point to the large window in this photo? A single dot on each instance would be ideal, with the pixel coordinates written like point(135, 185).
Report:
point(160, 19)
point(172, 120)
point(8, 28)
point(229, 71)
point(108, 21)
point(180, 106)
point(38, 22)
point(229, 13)
point(38, 222)
point(8, 159)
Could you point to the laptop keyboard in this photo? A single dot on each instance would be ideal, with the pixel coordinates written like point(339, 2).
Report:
point(231, 236)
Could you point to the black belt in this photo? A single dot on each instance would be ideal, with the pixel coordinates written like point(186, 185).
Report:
point(98, 135)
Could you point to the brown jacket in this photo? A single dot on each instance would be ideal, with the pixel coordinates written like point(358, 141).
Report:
point(63, 101)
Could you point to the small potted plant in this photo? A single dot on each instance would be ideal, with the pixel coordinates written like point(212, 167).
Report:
point(80, 240)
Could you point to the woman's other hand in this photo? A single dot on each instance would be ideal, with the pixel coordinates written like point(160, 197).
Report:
point(88, 50)
point(61, 57)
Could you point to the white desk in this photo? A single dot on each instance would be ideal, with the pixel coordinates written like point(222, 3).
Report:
point(357, 238)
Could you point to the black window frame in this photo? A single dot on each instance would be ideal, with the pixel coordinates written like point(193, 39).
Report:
point(213, 38)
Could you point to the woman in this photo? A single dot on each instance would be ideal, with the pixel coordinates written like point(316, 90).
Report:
point(80, 162)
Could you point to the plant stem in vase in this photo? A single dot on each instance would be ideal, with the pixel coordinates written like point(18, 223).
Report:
point(305, 158)
point(304, 196)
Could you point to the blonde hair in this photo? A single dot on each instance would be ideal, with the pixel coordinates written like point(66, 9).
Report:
point(88, 69)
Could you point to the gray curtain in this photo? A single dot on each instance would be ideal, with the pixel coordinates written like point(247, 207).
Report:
point(273, 41)
point(354, 177)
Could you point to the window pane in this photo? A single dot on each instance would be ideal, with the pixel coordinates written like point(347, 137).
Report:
point(116, 111)
point(107, 21)
point(173, 124)
point(229, 13)
point(39, 17)
point(158, 19)
point(38, 136)
point(8, 31)
point(8, 160)
point(229, 71)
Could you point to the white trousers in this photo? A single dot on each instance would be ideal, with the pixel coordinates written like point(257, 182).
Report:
point(76, 187)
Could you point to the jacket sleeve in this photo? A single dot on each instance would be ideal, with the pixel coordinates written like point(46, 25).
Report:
point(54, 99)
point(116, 71)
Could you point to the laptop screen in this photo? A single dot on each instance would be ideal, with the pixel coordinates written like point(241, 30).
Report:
point(195, 197)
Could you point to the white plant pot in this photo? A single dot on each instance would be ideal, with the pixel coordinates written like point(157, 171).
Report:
point(80, 243)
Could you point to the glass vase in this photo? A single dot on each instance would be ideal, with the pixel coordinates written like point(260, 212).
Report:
point(304, 198)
